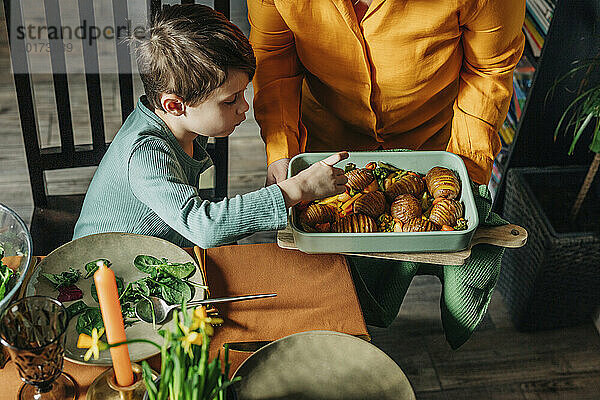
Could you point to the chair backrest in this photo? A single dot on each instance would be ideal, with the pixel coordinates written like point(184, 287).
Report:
point(69, 154)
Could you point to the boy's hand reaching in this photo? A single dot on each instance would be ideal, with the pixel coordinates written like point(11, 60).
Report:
point(319, 180)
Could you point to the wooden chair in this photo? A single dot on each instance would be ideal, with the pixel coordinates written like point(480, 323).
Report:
point(54, 217)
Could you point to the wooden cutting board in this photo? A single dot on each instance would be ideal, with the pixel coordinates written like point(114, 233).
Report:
point(511, 236)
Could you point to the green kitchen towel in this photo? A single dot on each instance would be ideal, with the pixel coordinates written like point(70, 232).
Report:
point(467, 289)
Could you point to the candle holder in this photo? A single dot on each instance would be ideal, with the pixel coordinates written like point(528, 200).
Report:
point(105, 386)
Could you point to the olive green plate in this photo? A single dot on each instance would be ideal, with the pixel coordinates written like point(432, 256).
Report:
point(121, 249)
point(321, 365)
point(396, 242)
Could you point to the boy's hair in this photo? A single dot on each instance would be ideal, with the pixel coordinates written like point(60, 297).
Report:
point(188, 51)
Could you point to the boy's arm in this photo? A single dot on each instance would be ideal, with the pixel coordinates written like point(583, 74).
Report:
point(492, 43)
point(158, 181)
point(277, 82)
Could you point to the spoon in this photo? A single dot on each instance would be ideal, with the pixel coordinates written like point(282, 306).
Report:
point(143, 308)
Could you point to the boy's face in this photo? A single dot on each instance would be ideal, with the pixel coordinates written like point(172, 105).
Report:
point(223, 110)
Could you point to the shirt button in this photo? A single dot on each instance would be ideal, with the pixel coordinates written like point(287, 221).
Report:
point(367, 86)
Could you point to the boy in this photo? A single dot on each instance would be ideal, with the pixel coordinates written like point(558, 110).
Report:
point(195, 66)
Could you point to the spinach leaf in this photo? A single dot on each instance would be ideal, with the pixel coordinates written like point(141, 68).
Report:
point(90, 319)
point(175, 291)
point(92, 267)
point(179, 270)
point(120, 287)
point(5, 275)
point(65, 278)
point(147, 264)
point(143, 287)
point(76, 308)
point(154, 267)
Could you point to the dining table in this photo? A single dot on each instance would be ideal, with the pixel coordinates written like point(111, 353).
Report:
point(314, 292)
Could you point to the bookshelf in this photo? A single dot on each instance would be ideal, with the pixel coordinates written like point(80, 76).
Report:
point(558, 32)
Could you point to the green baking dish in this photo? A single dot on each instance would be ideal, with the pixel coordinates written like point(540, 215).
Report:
point(403, 242)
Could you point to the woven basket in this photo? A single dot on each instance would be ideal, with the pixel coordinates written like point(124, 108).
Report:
point(553, 281)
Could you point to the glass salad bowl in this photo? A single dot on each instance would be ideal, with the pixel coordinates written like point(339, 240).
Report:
point(16, 246)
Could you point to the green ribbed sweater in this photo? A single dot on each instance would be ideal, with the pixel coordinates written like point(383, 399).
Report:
point(147, 184)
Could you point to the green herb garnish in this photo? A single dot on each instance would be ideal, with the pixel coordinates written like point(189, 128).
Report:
point(66, 278)
point(76, 308)
point(153, 266)
point(90, 319)
point(5, 275)
point(92, 267)
point(349, 167)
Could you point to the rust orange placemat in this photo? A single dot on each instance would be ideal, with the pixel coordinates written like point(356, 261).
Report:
point(313, 292)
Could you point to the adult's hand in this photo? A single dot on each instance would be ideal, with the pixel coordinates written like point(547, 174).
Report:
point(277, 171)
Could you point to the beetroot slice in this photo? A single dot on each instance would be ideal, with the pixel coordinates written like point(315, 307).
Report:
point(69, 293)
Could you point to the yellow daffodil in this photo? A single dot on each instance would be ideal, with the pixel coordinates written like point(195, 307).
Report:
point(189, 338)
point(202, 321)
point(92, 343)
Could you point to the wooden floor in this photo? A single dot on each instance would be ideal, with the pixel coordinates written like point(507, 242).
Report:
point(496, 363)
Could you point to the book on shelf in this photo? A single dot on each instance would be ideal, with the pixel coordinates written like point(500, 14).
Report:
point(511, 120)
point(532, 33)
point(507, 133)
point(516, 103)
point(524, 74)
point(541, 13)
point(535, 48)
point(538, 15)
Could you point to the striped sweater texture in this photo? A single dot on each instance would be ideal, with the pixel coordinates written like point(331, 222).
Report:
point(147, 184)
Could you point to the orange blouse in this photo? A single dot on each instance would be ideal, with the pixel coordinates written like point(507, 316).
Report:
point(427, 75)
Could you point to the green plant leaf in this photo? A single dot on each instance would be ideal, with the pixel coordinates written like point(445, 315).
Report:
point(149, 380)
point(92, 267)
point(76, 308)
point(5, 275)
point(88, 320)
point(142, 286)
point(65, 278)
point(179, 270)
point(175, 291)
point(580, 127)
point(590, 63)
point(595, 145)
point(573, 106)
point(147, 264)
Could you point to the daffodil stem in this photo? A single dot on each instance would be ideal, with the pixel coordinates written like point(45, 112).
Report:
point(134, 341)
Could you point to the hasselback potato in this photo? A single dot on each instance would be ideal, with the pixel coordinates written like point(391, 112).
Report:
point(419, 225)
point(317, 214)
point(446, 212)
point(355, 223)
point(358, 179)
point(371, 204)
point(408, 184)
point(441, 182)
point(406, 207)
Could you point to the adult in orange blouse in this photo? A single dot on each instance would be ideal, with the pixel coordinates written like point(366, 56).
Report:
point(369, 74)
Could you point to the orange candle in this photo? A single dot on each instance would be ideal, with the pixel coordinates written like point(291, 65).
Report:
point(108, 297)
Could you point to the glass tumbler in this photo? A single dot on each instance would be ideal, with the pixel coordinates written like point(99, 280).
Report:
point(33, 330)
